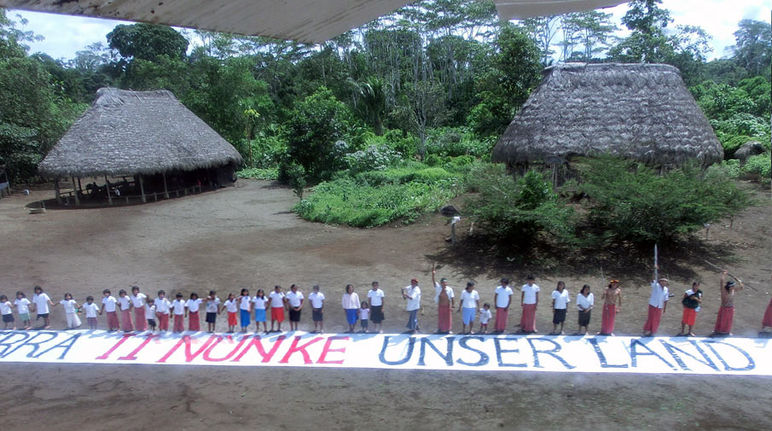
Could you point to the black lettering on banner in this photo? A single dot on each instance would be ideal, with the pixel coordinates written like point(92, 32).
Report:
point(552, 352)
point(35, 345)
point(6, 344)
point(408, 354)
point(601, 357)
point(447, 356)
point(463, 343)
point(634, 354)
point(497, 342)
point(65, 345)
point(705, 358)
point(751, 365)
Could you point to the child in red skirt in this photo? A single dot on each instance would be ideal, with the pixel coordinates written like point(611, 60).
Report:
point(178, 309)
point(191, 312)
point(231, 305)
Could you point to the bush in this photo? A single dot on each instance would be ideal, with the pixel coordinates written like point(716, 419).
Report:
point(373, 158)
point(259, 173)
point(518, 209)
point(757, 166)
point(456, 141)
point(629, 202)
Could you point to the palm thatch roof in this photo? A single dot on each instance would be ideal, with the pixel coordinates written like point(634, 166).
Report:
point(136, 132)
point(637, 111)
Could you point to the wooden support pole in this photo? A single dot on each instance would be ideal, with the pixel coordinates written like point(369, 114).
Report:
point(75, 192)
point(57, 192)
point(166, 190)
point(80, 187)
point(107, 187)
point(142, 189)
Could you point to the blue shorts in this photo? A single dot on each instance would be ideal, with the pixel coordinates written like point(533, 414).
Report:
point(351, 315)
point(467, 315)
point(244, 318)
point(259, 314)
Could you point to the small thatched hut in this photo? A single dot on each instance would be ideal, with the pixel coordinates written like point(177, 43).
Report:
point(145, 135)
point(637, 111)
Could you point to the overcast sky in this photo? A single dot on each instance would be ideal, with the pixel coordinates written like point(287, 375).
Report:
point(64, 35)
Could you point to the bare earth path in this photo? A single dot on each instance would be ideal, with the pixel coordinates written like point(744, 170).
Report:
point(246, 237)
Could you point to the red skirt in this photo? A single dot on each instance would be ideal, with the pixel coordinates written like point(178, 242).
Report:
point(609, 316)
point(112, 320)
point(689, 317)
point(163, 322)
point(501, 319)
point(444, 319)
point(653, 319)
point(277, 314)
point(140, 320)
point(528, 319)
point(768, 315)
point(233, 319)
point(194, 323)
point(179, 323)
point(126, 320)
point(724, 320)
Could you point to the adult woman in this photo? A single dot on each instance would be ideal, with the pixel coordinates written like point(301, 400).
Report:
point(350, 303)
point(726, 312)
point(584, 302)
point(560, 300)
point(444, 298)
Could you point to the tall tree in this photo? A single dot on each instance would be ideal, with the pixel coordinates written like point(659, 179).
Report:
point(753, 48)
point(147, 42)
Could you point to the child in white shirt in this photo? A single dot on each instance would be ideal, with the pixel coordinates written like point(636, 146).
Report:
point(22, 309)
point(364, 316)
point(231, 305)
point(150, 309)
point(70, 311)
point(6, 309)
point(91, 310)
point(485, 316)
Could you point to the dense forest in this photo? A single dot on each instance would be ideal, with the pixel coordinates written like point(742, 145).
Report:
point(410, 104)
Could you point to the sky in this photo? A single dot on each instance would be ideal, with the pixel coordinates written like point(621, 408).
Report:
point(64, 35)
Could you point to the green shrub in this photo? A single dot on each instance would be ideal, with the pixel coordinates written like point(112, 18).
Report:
point(373, 158)
point(732, 143)
point(757, 166)
point(456, 141)
point(731, 168)
point(405, 173)
point(259, 173)
point(629, 202)
point(518, 209)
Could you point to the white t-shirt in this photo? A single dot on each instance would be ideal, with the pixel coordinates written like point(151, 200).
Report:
point(260, 302)
point(469, 300)
point(585, 302)
point(503, 294)
point(212, 306)
point(659, 295)
point(438, 289)
point(162, 305)
point(244, 302)
point(124, 302)
point(22, 305)
point(294, 298)
point(317, 299)
point(561, 299)
point(193, 304)
point(350, 301)
point(376, 297)
point(178, 305)
point(485, 315)
point(6, 308)
point(529, 293)
point(109, 303)
point(91, 310)
point(69, 305)
point(41, 303)
point(364, 314)
point(414, 302)
point(231, 305)
point(277, 299)
point(139, 300)
point(150, 311)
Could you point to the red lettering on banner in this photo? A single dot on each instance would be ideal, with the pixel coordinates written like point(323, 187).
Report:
point(207, 355)
point(302, 349)
point(118, 344)
point(189, 355)
point(256, 341)
point(326, 349)
point(133, 355)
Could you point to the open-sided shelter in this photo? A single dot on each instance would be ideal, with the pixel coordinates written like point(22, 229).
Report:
point(148, 136)
point(637, 111)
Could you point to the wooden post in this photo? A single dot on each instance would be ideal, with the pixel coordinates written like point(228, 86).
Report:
point(80, 187)
point(142, 189)
point(166, 191)
point(57, 192)
point(109, 196)
point(75, 192)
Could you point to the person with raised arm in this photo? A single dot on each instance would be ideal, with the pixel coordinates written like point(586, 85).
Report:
point(726, 311)
point(612, 304)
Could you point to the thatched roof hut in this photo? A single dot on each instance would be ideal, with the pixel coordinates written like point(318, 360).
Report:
point(637, 111)
point(136, 132)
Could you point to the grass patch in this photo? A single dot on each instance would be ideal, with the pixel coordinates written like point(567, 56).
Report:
point(270, 174)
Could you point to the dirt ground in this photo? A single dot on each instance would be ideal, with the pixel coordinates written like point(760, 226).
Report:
point(246, 237)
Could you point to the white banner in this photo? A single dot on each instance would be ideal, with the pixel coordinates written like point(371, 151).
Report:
point(668, 355)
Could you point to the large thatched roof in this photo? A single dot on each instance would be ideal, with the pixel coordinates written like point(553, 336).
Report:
point(638, 111)
point(136, 132)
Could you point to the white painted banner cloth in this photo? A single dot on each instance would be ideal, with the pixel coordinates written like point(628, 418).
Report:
point(660, 355)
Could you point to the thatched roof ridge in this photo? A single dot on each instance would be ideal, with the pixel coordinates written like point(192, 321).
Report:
point(136, 132)
point(638, 111)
